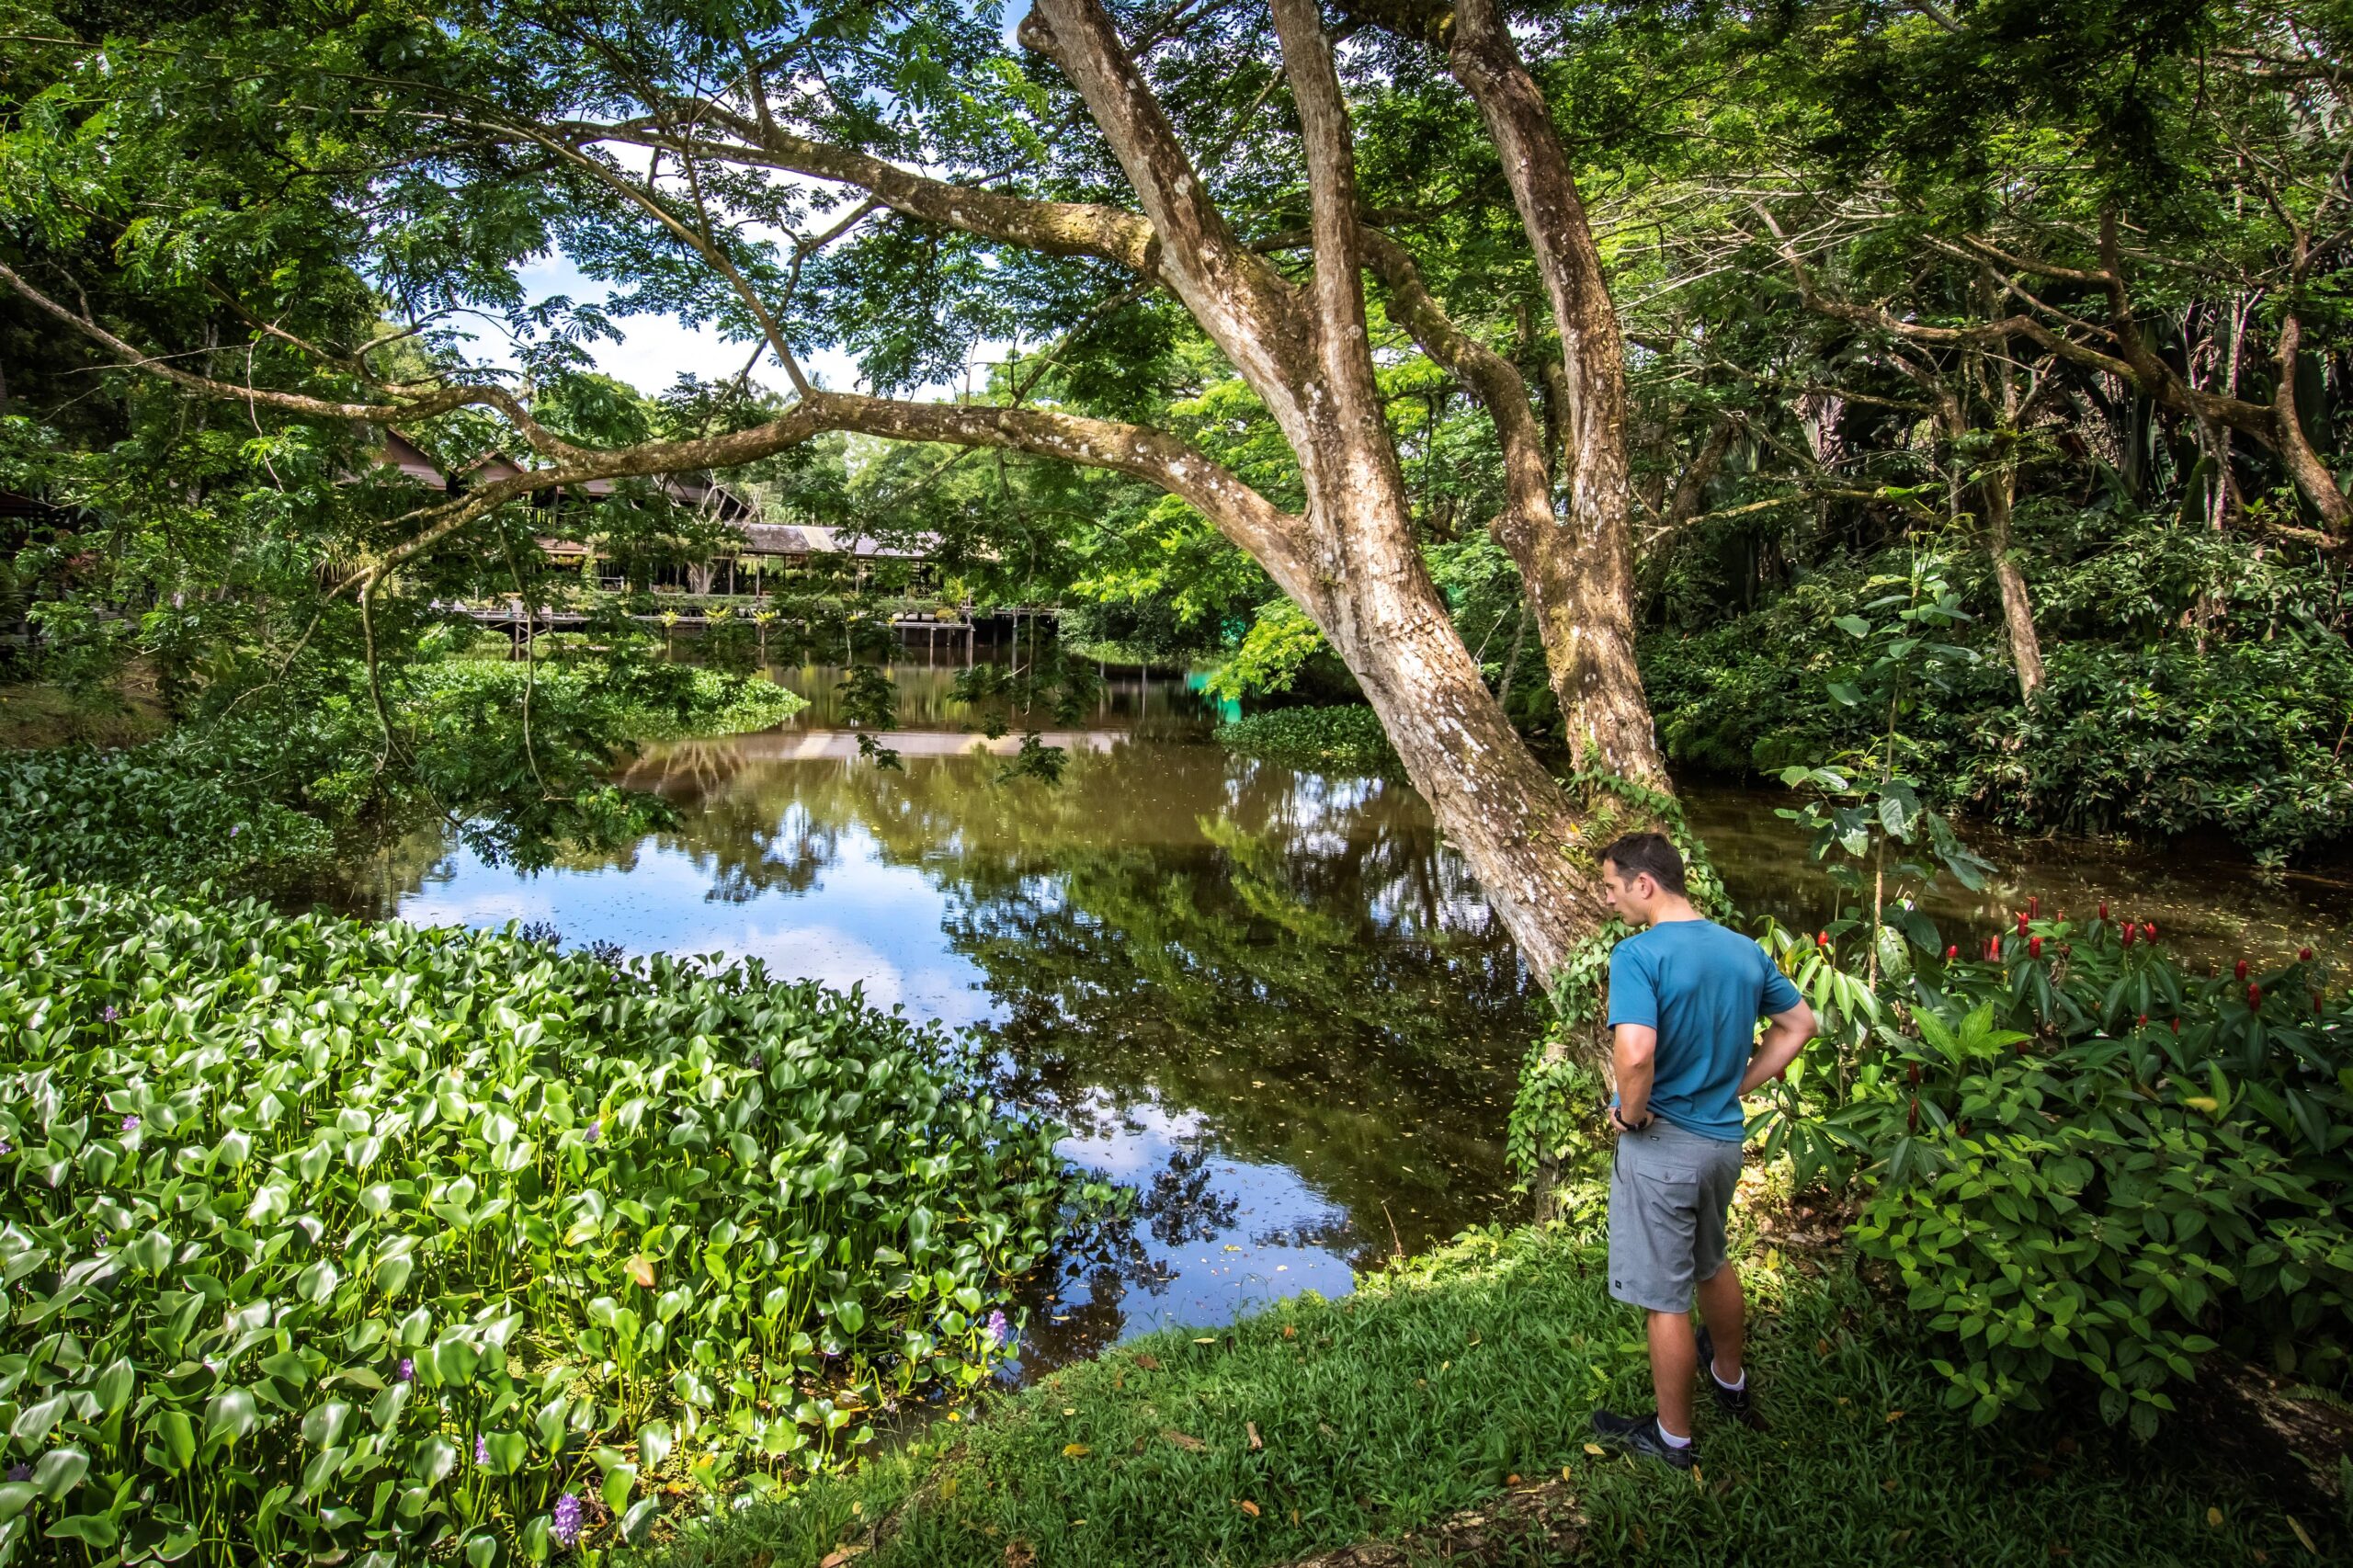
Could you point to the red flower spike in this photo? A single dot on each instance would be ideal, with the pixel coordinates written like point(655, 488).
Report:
point(2021, 922)
point(1912, 1120)
point(2142, 1022)
point(2239, 969)
point(2103, 912)
point(2303, 955)
point(2034, 907)
point(2148, 930)
point(2176, 1026)
point(1913, 1072)
point(2254, 996)
point(2128, 935)
point(1821, 938)
point(2034, 947)
point(1951, 952)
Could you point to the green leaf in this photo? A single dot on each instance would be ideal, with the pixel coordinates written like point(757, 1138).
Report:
point(179, 1440)
point(231, 1415)
point(619, 1482)
point(1853, 626)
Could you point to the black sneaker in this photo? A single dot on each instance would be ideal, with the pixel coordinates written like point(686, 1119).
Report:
point(1640, 1434)
point(1732, 1401)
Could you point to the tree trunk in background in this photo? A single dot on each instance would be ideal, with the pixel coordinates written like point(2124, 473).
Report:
point(2017, 609)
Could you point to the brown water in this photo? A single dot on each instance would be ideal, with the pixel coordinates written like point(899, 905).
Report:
point(1271, 1000)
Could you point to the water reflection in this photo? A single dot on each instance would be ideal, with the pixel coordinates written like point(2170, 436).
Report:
point(1271, 1001)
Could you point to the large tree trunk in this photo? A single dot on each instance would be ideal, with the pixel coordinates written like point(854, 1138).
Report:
point(1583, 585)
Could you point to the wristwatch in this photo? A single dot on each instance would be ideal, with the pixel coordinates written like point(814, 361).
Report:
point(1619, 1116)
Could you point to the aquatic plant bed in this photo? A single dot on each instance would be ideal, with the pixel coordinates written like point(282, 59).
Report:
point(332, 1242)
point(1348, 740)
point(1444, 1408)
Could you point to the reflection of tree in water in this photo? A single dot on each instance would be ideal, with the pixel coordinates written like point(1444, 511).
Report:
point(1182, 1204)
point(1292, 960)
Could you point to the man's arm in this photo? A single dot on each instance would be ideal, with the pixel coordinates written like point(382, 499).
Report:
point(1633, 1060)
point(1784, 1038)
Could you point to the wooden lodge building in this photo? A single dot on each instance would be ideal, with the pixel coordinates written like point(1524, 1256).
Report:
point(764, 554)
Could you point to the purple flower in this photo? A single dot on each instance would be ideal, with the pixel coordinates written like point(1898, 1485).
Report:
point(131, 1124)
point(482, 1451)
point(565, 1527)
point(408, 1369)
point(998, 1330)
point(108, 1014)
point(6, 1147)
point(21, 1472)
point(596, 1130)
point(236, 829)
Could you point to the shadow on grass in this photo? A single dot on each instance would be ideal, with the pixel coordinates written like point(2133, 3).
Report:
point(1448, 1382)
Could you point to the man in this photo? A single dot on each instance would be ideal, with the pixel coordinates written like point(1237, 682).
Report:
point(1685, 995)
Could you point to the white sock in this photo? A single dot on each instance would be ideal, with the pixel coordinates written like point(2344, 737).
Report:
point(1670, 1439)
point(1734, 1387)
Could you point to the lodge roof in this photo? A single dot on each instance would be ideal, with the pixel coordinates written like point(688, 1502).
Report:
point(810, 538)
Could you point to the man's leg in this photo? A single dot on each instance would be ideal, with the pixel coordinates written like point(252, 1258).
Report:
point(1675, 1361)
point(1725, 1314)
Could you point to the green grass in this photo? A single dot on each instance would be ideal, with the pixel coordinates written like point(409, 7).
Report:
point(1423, 1395)
point(1347, 739)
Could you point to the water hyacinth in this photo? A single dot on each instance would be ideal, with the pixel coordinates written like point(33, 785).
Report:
point(421, 1263)
point(108, 1012)
point(21, 1472)
point(998, 1329)
point(565, 1526)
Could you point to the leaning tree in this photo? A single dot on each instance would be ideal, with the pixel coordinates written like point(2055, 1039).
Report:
point(750, 161)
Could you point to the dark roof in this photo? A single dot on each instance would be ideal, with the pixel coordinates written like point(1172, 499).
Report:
point(799, 539)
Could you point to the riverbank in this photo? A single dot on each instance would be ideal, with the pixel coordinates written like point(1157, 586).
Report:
point(1442, 1408)
point(265, 797)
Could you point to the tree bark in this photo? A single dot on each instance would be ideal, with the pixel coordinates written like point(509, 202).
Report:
point(2017, 609)
point(1583, 587)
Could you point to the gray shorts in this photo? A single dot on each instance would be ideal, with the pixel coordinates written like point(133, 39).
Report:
point(1669, 1191)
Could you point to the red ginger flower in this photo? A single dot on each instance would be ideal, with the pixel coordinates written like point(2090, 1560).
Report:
point(2239, 969)
point(2254, 996)
point(2034, 947)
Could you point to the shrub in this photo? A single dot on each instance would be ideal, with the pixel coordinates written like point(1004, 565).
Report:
point(2242, 739)
point(2069, 1153)
point(1347, 740)
point(382, 1242)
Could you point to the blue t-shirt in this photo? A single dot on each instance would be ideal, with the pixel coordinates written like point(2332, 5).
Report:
point(1703, 988)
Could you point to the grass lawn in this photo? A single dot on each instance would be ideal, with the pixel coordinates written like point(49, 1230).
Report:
point(1444, 1408)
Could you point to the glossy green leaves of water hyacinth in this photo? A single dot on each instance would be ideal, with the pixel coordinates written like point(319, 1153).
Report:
point(327, 1239)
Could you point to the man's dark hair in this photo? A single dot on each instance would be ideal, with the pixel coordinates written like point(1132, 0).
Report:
point(1648, 852)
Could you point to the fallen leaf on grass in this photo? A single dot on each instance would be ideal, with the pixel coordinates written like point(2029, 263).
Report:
point(839, 1555)
point(1511, 1480)
point(1594, 1449)
point(1019, 1553)
point(2214, 1517)
point(1290, 1331)
point(1190, 1445)
point(1251, 1427)
point(2301, 1536)
point(1247, 1506)
point(1149, 1363)
point(1206, 1339)
point(641, 1269)
point(1070, 1410)
point(1076, 1450)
